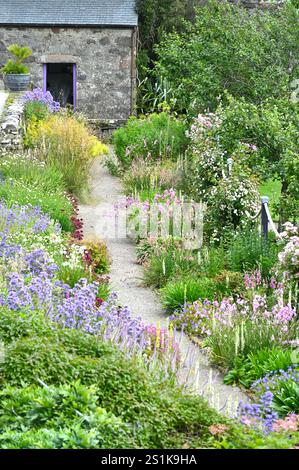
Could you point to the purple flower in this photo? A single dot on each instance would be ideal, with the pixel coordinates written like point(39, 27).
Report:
point(261, 415)
point(43, 97)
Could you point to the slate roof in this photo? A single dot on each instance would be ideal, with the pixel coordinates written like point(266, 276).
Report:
point(68, 12)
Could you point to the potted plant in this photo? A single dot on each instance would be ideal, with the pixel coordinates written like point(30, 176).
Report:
point(16, 74)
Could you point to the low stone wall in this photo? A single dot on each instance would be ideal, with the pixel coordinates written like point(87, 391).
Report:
point(11, 128)
point(103, 129)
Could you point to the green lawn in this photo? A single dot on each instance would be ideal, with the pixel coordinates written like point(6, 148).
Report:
point(272, 189)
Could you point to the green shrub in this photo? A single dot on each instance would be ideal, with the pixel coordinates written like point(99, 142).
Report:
point(212, 260)
point(167, 263)
point(155, 137)
point(164, 416)
point(272, 129)
point(186, 290)
point(72, 275)
point(58, 417)
point(248, 437)
point(224, 343)
point(257, 364)
point(248, 251)
point(112, 164)
point(98, 253)
point(228, 283)
point(159, 270)
point(16, 66)
point(286, 398)
point(35, 110)
point(227, 47)
point(15, 325)
point(228, 205)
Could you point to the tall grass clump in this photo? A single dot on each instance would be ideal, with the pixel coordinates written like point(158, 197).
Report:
point(249, 251)
point(144, 176)
point(64, 142)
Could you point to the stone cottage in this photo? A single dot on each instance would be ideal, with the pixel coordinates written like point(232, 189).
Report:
point(84, 51)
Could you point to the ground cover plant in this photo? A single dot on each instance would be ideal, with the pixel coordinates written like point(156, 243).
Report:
point(228, 49)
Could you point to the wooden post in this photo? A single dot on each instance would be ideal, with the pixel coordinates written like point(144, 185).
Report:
point(264, 217)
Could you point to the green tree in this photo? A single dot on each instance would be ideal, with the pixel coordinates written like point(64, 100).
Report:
point(157, 17)
point(253, 55)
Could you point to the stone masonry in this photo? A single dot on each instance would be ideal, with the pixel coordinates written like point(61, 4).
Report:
point(105, 59)
point(11, 140)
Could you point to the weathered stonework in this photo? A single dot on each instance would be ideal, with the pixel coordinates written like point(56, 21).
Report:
point(105, 59)
point(11, 140)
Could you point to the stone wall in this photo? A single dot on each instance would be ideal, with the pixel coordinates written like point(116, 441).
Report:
point(105, 61)
point(11, 140)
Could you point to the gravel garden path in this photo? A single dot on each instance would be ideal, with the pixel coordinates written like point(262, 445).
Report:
point(126, 279)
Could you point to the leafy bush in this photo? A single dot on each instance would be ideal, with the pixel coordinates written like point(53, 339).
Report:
point(35, 109)
point(164, 259)
point(123, 387)
point(155, 137)
point(271, 129)
point(244, 337)
point(227, 187)
point(15, 325)
point(248, 251)
point(159, 270)
point(65, 142)
point(212, 260)
point(112, 164)
point(96, 256)
point(248, 437)
point(16, 66)
point(227, 47)
point(286, 398)
point(58, 417)
point(185, 290)
point(229, 204)
point(257, 364)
